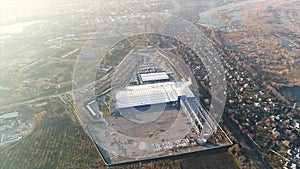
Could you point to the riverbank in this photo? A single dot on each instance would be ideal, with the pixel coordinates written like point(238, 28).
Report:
point(261, 40)
point(293, 92)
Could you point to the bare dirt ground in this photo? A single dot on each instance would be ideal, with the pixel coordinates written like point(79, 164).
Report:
point(142, 130)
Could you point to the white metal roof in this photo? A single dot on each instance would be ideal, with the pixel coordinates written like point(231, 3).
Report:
point(10, 115)
point(150, 94)
point(154, 76)
point(182, 88)
point(90, 108)
point(146, 94)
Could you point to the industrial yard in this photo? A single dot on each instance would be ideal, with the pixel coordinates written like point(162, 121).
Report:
point(147, 109)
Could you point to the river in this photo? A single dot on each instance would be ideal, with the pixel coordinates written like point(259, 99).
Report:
point(288, 24)
point(285, 43)
point(293, 91)
point(237, 16)
point(206, 16)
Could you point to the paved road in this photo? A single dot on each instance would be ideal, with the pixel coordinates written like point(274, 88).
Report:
point(245, 140)
point(33, 100)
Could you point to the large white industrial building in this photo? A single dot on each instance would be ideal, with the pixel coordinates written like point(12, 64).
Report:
point(151, 94)
point(160, 90)
point(146, 77)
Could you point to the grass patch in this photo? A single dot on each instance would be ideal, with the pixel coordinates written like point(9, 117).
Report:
point(106, 111)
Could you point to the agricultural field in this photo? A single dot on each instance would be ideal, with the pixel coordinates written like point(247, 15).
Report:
point(58, 141)
point(51, 141)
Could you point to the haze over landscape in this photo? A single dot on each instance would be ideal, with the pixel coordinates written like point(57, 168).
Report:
point(53, 116)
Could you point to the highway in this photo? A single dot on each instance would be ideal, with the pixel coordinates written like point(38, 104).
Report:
point(38, 98)
point(33, 100)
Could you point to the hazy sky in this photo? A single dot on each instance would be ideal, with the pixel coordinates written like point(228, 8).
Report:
point(15, 9)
